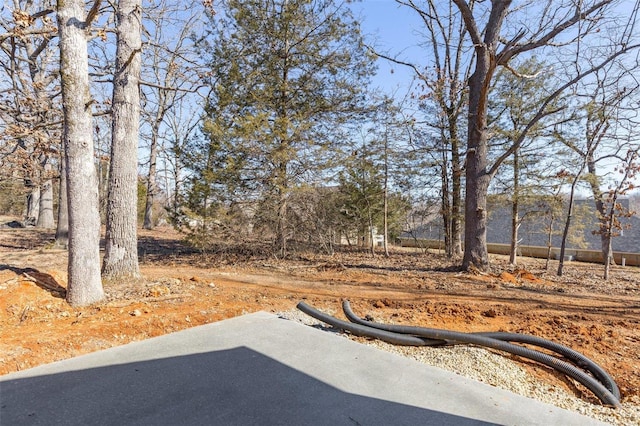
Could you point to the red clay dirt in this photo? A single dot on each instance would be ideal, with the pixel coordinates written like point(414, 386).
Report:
point(182, 288)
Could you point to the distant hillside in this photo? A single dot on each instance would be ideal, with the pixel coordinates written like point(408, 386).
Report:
point(535, 228)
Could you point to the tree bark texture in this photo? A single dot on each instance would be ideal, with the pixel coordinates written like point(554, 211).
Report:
point(567, 223)
point(601, 210)
point(478, 176)
point(62, 225)
point(445, 205)
point(84, 283)
point(486, 42)
point(45, 213)
point(151, 182)
point(152, 179)
point(121, 249)
point(33, 205)
point(456, 195)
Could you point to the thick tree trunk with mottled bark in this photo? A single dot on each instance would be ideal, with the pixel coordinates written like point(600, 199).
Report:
point(84, 283)
point(33, 205)
point(492, 49)
point(62, 225)
point(121, 249)
point(45, 213)
point(477, 177)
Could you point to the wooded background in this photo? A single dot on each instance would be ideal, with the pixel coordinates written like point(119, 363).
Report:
point(257, 120)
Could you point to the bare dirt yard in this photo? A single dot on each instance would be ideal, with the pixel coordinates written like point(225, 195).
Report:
point(182, 288)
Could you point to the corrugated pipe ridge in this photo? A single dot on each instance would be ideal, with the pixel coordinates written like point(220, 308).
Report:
point(602, 386)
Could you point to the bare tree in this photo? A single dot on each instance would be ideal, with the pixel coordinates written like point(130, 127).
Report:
point(121, 242)
point(393, 130)
point(498, 39)
point(513, 101)
point(84, 281)
point(610, 224)
point(575, 178)
point(30, 103)
point(603, 129)
point(183, 122)
point(608, 125)
point(171, 75)
point(444, 81)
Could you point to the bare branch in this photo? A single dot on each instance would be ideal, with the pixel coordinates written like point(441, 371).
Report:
point(397, 61)
point(520, 75)
point(470, 23)
point(542, 110)
point(93, 13)
point(170, 88)
point(509, 51)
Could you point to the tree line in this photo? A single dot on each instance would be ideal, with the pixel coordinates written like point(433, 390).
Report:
point(258, 120)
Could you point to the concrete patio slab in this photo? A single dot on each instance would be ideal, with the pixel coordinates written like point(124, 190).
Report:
point(258, 369)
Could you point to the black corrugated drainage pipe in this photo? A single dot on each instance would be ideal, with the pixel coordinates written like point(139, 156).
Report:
point(366, 331)
point(573, 356)
point(592, 384)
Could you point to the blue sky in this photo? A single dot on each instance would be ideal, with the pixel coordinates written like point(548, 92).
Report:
point(391, 29)
point(394, 30)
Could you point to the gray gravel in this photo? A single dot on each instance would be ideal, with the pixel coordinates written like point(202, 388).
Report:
point(496, 370)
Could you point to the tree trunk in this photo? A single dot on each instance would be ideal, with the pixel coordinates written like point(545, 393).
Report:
point(372, 246)
point(456, 192)
point(475, 242)
point(386, 197)
point(62, 226)
point(515, 219)
point(151, 187)
point(477, 177)
point(121, 242)
point(607, 233)
point(608, 260)
point(280, 179)
point(515, 224)
point(452, 193)
point(447, 220)
point(177, 171)
point(84, 284)
point(605, 236)
point(33, 206)
point(152, 177)
point(103, 183)
point(567, 223)
point(45, 212)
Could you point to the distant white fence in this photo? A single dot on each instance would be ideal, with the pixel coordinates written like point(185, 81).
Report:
point(592, 256)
